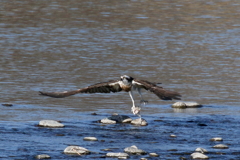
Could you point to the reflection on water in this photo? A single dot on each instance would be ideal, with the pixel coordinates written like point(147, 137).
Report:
point(190, 47)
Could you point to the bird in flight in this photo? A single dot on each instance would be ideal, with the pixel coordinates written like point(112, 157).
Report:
point(125, 83)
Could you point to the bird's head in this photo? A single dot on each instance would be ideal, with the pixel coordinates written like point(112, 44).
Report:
point(126, 78)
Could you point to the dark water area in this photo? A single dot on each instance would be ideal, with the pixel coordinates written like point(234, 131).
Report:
point(189, 46)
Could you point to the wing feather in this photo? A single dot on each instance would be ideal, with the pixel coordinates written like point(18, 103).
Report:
point(157, 90)
point(104, 87)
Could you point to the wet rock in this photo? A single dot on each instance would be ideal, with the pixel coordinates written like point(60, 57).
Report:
point(197, 155)
point(143, 159)
point(43, 156)
point(50, 123)
point(216, 139)
point(108, 121)
point(76, 150)
point(7, 104)
point(221, 146)
point(186, 105)
point(134, 150)
point(90, 139)
point(201, 150)
point(173, 136)
point(118, 155)
point(153, 155)
point(179, 105)
point(139, 121)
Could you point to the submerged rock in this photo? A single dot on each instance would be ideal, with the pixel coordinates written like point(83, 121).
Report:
point(139, 121)
point(90, 139)
point(216, 139)
point(221, 146)
point(117, 155)
point(116, 118)
point(42, 156)
point(108, 121)
point(134, 150)
point(50, 123)
point(7, 104)
point(186, 105)
point(76, 150)
point(197, 155)
point(201, 150)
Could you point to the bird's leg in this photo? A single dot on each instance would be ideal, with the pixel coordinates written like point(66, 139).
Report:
point(142, 100)
point(135, 110)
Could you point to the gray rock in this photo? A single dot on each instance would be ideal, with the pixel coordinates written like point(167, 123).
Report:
point(7, 104)
point(139, 121)
point(90, 139)
point(76, 150)
point(107, 121)
point(153, 155)
point(42, 156)
point(143, 159)
point(134, 150)
point(221, 146)
point(179, 105)
point(197, 155)
point(201, 150)
point(173, 136)
point(117, 155)
point(50, 123)
point(216, 139)
point(186, 105)
point(119, 118)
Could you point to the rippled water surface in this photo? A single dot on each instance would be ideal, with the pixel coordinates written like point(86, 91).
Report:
point(190, 47)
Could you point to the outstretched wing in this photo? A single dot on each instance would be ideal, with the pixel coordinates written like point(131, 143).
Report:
point(157, 90)
point(104, 87)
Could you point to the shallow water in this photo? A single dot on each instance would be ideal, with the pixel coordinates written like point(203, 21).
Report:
point(190, 47)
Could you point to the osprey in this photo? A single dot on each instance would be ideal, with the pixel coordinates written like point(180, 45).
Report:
point(127, 84)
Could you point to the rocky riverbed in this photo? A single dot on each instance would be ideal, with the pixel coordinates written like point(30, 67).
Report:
point(165, 137)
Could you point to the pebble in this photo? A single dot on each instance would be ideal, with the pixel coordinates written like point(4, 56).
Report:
point(42, 156)
point(90, 139)
point(186, 105)
point(216, 139)
point(201, 150)
point(153, 155)
point(118, 155)
point(139, 121)
point(50, 123)
point(134, 150)
point(76, 150)
point(197, 155)
point(221, 146)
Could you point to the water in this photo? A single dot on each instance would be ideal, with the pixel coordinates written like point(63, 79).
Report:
point(191, 47)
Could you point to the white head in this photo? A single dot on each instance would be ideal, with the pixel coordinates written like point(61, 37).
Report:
point(126, 79)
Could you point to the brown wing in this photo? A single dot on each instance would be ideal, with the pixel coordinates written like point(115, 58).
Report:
point(157, 90)
point(104, 87)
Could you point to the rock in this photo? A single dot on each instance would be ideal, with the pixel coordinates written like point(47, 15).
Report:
point(139, 121)
point(90, 139)
point(107, 121)
point(76, 150)
point(43, 156)
point(186, 105)
point(216, 139)
point(221, 146)
point(134, 150)
point(50, 123)
point(118, 155)
point(201, 150)
point(7, 104)
point(197, 155)
point(179, 105)
point(143, 159)
point(153, 155)
point(173, 136)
